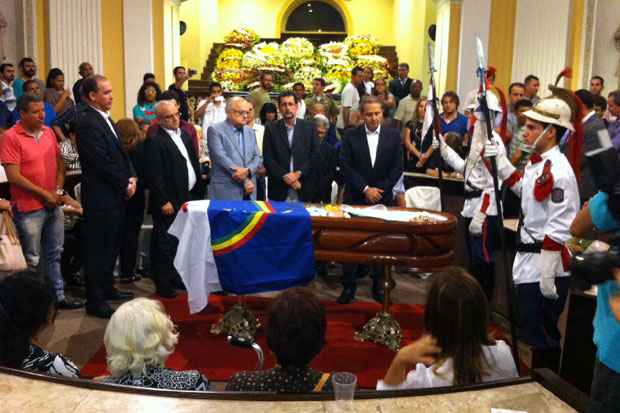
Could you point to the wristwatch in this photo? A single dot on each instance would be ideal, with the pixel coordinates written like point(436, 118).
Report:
point(60, 192)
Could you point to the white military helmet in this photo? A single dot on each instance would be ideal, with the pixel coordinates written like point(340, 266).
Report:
point(552, 110)
point(492, 103)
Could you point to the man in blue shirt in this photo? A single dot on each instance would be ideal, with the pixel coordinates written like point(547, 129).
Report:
point(451, 120)
point(606, 381)
point(32, 87)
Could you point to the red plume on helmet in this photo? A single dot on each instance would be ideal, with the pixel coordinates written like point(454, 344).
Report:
point(503, 126)
point(567, 73)
point(491, 72)
point(575, 141)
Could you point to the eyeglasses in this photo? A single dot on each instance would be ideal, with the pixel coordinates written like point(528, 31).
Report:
point(241, 112)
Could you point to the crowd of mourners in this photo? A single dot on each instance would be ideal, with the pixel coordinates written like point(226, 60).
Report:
point(80, 185)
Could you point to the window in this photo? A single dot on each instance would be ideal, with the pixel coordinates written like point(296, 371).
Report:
point(315, 17)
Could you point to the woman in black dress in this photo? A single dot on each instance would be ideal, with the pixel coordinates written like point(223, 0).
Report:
point(417, 148)
point(132, 139)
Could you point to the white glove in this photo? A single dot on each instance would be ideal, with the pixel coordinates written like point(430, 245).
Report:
point(442, 145)
point(549, 264)
point(475, 226)
point(504, 167)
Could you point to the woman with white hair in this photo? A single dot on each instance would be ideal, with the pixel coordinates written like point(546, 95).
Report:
point(138, 339)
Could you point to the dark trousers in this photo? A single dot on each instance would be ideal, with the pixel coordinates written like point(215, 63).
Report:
point(102, 234)
point(538, 316)
point(480, 249)
point(163, 251)
point(129, 246)
point(351, 272)
point(605, 389)
point(261, 188)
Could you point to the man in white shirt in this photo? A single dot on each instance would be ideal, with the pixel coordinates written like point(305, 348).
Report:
point(300, 91)
point(349, 101)
point(7, 76)
point(215, 112)
point(173, 178)
point(371, 163)
point(406, 110)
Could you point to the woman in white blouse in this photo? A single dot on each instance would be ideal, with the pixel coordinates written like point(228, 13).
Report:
point(458, 349)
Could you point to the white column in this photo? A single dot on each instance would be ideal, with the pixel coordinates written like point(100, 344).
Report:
point(541, 40)
point(138, 35)
point(475, 21)
point(75, 36)
point(172, 40)
point(606, 56)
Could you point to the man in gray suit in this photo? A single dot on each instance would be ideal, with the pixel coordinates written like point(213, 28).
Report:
point(234, 154)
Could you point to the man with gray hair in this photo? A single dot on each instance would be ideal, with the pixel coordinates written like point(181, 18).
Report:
point(173, 178)
point(234, 154)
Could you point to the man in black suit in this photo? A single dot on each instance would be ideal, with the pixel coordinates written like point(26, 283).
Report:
point(595, 136)
point(108, 180)
point(173, 178)
point(371, 163)
point(400, 86)
point(290, 151)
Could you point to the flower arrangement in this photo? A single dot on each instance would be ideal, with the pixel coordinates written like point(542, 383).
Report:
point(229, 58)
point(297, 48)
point(306, 74)
point(378, 64)
point(264, 56)
point(295, 60)
point(361, 45)
point(243, 37)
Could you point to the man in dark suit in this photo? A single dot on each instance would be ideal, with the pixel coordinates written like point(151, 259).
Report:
point(400, 86)
point(595, 137)
point(173, 178)
point(108, 180)
point(371, 163)
point(290, 150)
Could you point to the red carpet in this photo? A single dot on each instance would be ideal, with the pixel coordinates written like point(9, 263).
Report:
point(214, 357)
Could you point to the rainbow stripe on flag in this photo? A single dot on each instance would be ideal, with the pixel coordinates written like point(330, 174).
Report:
point(261, 246)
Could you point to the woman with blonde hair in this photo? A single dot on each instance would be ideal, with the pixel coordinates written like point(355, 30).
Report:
point(138, 339)
point(132, 141)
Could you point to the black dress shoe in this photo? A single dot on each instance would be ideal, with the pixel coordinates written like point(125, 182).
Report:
point(69, 304)
point(100, 311)
point(347, 295)
point(378, 295)
point(116, 295)
point(166, 293)
point(130, 279)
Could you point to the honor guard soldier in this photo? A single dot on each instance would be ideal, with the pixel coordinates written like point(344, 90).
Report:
point(479, 209)
point(549, 203)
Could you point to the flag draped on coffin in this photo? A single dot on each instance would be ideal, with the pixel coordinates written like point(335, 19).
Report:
point(261, 246)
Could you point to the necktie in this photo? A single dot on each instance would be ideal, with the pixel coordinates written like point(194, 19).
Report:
point(241, 145)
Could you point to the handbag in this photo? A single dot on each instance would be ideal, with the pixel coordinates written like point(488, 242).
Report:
point(11, 254)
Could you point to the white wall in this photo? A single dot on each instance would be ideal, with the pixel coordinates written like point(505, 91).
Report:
point(606, 57)
point(138, 35)
point(475, 21)
point(541, 40)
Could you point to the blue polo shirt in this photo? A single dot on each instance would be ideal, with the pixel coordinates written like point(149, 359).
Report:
point(458, 125)
point(606, 327)
point(50, 115)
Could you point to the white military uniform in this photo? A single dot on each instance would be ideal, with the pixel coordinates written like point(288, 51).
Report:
point(475, 171)
point(548, 219)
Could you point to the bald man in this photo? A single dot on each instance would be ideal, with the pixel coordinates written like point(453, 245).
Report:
point(173, 178)
point(234, 154)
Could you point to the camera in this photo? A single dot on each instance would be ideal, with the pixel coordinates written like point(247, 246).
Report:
point(191, 72)
point(593, 268)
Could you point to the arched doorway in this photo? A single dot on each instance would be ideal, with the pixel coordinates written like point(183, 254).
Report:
point(319, 21)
